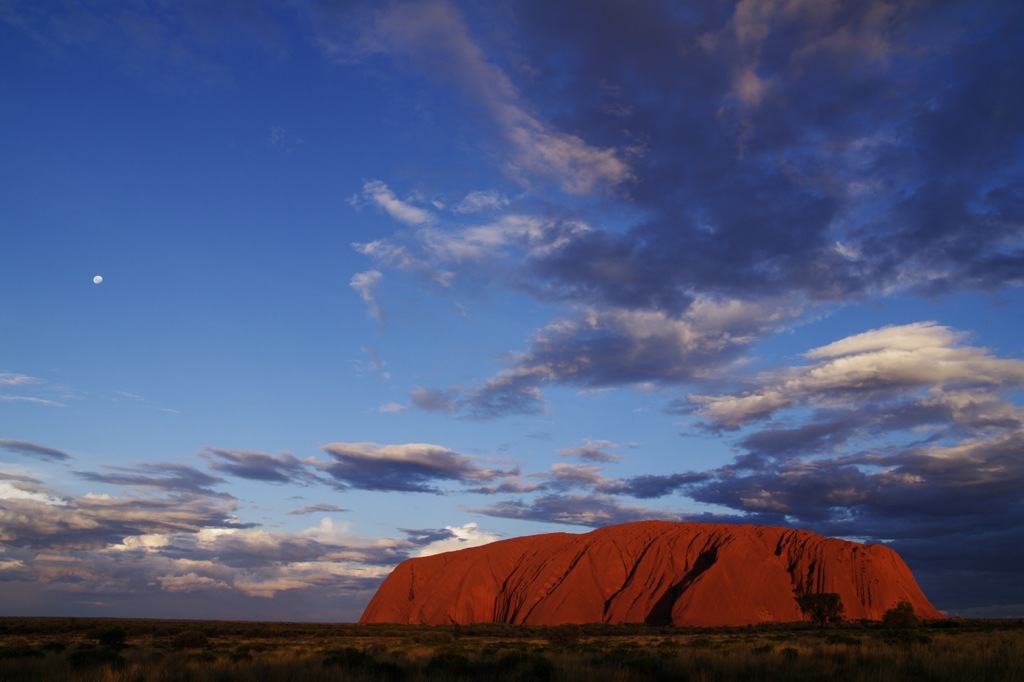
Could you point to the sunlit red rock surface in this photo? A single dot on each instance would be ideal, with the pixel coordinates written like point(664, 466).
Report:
point(655, 572)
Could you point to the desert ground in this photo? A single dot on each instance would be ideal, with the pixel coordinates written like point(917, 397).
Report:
point(108, 650)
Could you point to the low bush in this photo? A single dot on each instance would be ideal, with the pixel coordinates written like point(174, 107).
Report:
point(190, 639)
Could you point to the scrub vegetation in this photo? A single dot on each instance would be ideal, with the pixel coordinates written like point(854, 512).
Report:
point(115, 650)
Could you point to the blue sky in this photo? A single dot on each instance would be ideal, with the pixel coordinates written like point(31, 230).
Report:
point(387, 279)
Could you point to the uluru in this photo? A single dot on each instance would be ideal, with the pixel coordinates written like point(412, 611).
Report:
point(654, 572)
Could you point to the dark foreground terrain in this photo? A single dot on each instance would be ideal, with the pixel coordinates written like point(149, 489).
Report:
point(111, 650)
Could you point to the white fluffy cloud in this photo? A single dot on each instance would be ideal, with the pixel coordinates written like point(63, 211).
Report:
point(904, 357)
point(461, 537)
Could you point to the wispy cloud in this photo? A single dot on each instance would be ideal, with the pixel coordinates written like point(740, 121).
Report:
point(319, 508)
point(434, 37)
point(380, 194)
point(260, 466)
point(31, 399)
point(24, 447)
point(163, 476)
point(481, 200)
point(367, 285)
point(14, 379)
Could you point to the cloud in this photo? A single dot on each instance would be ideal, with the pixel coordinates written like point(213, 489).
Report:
point(14, 379)
point(31, 399)
point(593, 451)
point(319, 508)
point(502, 249)
point(392, 408)
point(259, 466)
point(481, 200)
point(897, 358)
point(100, 520)
point(163, 476)
point(433, 400)
point(282, 139)
point(380, 194)
point(14, 487)
point(434, 39)
point(61, 549)
point(591, 510)
point(24, 447)
point(456, 538)
point(650, 486)
point(190, 582)
point(607, 347)
point(411, 467)
point(366, 285)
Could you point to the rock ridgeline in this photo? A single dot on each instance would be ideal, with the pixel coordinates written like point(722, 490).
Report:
point(655, 572)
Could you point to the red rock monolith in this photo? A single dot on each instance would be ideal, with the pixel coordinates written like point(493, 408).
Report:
point(655, 572)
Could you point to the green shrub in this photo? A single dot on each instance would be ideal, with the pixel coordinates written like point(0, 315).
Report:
point(901, 617)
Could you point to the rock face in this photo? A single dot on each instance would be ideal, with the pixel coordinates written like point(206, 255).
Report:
point(654, 572)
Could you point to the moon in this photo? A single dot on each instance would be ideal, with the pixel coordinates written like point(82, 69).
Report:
point(98, 279)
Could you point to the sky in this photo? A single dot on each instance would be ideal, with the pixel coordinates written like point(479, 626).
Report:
point(387, 279)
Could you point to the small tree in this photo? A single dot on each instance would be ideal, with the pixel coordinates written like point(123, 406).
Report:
point(901, 616)
point(822, 607)
point(111, 635)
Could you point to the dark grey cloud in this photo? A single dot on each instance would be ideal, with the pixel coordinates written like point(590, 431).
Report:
point(319, 508)
point(592, 510)
point(434, 400)
point(654, 485)
point(777, 133)
point(24, 447)
point(164, 476)
point(259, 466)
point(424, 536)
point(410, 467)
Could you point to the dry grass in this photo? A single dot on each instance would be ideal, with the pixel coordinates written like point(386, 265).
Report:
point(92, 650)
